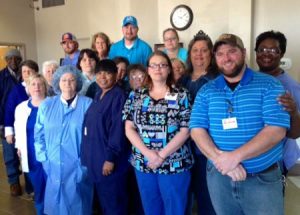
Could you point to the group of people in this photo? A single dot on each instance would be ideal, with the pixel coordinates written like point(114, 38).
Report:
point(140, 132)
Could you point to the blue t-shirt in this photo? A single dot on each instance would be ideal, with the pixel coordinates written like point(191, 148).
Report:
point(68, 61)
point(181, 55)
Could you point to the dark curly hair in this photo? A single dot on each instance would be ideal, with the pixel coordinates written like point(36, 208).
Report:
point(201, 36)
point(276, 35)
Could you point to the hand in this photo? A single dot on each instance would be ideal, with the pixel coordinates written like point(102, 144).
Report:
point(154, 160)
point(10, 139)
point(288, 103)
point(238, 174)
point(226, 162)
point(19, 153)
point(107, 168)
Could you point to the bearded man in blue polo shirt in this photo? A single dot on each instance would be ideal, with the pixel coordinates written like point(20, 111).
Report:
point(239, 125)
point(131, 47)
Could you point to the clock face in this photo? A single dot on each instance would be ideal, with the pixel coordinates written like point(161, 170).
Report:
point(181, 17)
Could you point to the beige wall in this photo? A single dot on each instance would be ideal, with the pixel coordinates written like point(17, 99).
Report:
point(153, 17)
point(18, 26)
point(282, 16)
point(41, 30)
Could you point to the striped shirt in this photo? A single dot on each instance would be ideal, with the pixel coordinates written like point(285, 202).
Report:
point(253, 103)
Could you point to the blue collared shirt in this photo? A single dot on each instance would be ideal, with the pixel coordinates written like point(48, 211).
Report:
point(138, 53)
point(253, 103)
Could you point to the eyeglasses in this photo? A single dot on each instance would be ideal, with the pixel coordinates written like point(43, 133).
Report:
point(272, 51)
point(137, 77)
point(170, 39)
point(160, 65)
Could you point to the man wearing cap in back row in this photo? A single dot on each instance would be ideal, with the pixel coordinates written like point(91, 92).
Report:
point(131, 47)
point(9, 77)
point(70, 46)
point(239, 125)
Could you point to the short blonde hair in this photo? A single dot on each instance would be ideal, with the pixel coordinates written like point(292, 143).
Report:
point(38, 76)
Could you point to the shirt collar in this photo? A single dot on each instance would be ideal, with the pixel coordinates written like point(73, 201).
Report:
point(247, 77)
point(73, 104)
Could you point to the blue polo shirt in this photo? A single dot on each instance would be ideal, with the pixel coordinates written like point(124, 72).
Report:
point(253, 103)
point(138, 53)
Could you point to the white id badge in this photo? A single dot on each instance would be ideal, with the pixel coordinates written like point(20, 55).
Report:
point(171, 96)
point(229, 123)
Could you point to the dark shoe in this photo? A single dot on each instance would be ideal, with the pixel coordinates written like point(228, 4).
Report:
point(15, 190)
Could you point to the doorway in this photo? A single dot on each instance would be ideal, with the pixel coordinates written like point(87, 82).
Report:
point(5, 47)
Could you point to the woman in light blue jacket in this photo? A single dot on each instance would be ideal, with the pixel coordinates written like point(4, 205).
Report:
point(58, 132)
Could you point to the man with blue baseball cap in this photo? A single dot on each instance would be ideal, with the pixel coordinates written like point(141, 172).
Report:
point(131, 47)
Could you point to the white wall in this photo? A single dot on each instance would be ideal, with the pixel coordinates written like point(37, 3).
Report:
point(282, 16)
point(41, 30)
point(84, 19)
point(17, 25)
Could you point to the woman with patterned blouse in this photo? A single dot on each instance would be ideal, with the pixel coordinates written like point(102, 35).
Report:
point(156, 124)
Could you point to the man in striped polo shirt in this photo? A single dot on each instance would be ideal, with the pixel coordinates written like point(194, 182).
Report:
point(239, 125)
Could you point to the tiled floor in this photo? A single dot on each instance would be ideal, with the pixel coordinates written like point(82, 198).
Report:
point(24, 206)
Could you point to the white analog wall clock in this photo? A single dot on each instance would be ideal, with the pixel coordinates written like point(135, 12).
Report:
point(181, 17)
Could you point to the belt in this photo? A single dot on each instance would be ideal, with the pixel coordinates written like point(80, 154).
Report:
point(269, 169)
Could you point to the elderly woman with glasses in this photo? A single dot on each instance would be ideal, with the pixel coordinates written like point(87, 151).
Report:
point(58, 133)
point(156, 123)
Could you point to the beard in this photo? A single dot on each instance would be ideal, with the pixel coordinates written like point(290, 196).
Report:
point(235, 71)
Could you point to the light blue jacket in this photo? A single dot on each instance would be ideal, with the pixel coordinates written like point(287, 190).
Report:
point(58, 132)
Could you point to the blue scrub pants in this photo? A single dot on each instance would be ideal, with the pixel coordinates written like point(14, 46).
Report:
point(164, 194)
point(112, 194)
point(259, 194)
point(38, 179)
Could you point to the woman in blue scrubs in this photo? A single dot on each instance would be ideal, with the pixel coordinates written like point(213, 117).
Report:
point(156, 123)
point(104, 148)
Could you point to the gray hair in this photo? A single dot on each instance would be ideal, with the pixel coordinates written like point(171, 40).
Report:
point(63, 70)
point(49, 63)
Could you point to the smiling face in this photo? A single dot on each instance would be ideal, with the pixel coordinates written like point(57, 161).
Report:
point(130, 32)
point(158, 69)
point(101, 46)
point(171, 41)
point(230, 60)
point(105, 80)
point(268, 55)
point(87, 64)
point(200, 55)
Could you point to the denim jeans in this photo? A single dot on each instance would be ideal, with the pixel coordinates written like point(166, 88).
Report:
point(164, 194)
point(259, 194)
point(11, 161)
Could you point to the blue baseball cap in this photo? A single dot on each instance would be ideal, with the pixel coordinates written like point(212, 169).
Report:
point(130, 20)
